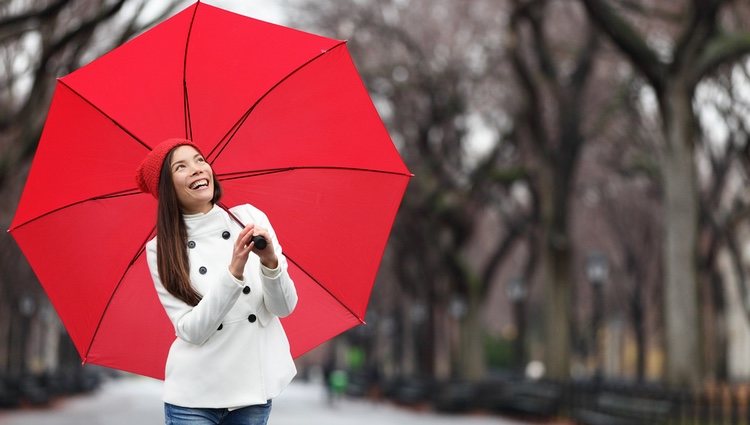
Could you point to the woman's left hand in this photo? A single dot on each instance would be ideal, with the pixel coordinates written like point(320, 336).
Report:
point(267, 255)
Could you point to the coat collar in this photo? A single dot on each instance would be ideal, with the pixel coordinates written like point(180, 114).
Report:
point(215, 220)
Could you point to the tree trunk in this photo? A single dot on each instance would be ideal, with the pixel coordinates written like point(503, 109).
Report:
point(639, 329)
point(473, 362)
point(556, 275)
point(441, 334)
point(684, 365)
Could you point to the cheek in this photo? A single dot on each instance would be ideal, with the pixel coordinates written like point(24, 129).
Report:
point(176, 182)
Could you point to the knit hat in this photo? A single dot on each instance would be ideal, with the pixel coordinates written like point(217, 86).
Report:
point(148, 171)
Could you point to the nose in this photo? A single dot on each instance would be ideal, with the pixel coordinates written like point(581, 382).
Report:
point(195, 169)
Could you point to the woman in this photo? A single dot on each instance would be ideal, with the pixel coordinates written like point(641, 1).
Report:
point(223, 294)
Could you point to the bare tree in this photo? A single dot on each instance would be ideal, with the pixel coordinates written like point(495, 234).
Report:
point(552, 76)
point(431, 67)
point(40, 41)
point(697, 44)
point(724, 207)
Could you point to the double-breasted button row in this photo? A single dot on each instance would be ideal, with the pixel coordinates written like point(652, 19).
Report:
point(225, 234)
point(251, 318)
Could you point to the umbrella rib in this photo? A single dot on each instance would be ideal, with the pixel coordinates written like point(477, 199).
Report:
point(299, 267)
point(127, 192)
point(324, 288)
point(128, 132)
point(185, 97)
point(222, 177)
point(256, 173)
point(236, 127)
point(112, 296)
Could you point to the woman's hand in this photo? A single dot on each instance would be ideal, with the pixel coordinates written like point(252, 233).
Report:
point(244, 245)
point(267, 255)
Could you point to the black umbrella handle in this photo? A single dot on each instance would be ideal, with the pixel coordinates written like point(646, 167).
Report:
point(260, 241)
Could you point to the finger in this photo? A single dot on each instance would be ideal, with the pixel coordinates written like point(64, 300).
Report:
point(246, 249)
point(248, 230)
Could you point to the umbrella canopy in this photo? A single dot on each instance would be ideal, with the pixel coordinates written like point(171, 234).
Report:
point(286, 124)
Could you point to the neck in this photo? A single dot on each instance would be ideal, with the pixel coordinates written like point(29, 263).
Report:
point(202, 209)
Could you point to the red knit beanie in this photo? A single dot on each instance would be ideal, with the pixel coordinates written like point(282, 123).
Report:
point(147, 173)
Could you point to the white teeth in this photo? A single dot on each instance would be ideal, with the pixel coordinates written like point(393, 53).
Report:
point(198, 183)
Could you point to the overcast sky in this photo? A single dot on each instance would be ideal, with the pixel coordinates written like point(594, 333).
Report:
point(265, 10)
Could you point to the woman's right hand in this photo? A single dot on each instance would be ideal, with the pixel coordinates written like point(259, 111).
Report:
point(242, 248)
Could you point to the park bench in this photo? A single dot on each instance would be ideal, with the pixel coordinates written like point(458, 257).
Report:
point(454, 397)
point(538, 399)
point(622, 409)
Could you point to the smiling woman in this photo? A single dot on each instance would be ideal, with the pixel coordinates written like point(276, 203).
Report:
point(193, 179)
point(223, 301)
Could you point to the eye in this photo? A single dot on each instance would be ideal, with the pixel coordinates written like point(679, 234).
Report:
point(201, 159)
point(178, 167)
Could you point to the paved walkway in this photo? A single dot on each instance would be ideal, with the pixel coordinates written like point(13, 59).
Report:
point(136, 400)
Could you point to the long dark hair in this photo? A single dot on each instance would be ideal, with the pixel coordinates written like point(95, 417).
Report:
point(171, 241)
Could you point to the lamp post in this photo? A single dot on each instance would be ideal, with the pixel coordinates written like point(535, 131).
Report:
point(458, 308)
point(517, 295)
point(26, 309)
point(419, 315)
point(597, 271)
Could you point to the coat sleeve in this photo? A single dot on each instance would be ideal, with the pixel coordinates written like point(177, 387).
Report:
point(195, 324)
point(279, 292)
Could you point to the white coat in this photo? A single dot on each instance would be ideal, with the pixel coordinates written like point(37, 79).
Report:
point(231, 350)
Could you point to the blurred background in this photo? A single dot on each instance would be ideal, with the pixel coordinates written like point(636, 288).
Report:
point(575, 243)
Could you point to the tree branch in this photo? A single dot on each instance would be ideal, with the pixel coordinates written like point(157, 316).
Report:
point(629, 41)
point(533, 14)
point(721, 49)
point(11, 23)
point(584, 62)
point(650, 10)
point(695, 35)
point(532, 110)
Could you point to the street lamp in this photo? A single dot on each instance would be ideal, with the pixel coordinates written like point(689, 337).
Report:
point(597, 271)
point(516, 290)
point(26, 309)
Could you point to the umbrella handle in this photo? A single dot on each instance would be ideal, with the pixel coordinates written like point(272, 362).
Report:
point(260, 241)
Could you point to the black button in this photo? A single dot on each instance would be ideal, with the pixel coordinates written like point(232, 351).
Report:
point(221, 326)
point(251, 318)
point(191, 244)
point(246, 290)
point(202, 270)
point(225, 234)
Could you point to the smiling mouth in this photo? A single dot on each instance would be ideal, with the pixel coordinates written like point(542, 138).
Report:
point(199, 184)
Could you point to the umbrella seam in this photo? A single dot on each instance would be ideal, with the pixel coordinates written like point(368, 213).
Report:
point(128, 132)
point(213, 155)
point(112, 296)
point(255, 173)
point(185, 96)
point(222, 177)
point(237, 220)
point(127, 192)
point(324, 288)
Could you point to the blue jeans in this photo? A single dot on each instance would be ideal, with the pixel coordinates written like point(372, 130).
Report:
point(250, 415)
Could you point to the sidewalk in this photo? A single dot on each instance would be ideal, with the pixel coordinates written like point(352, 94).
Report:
point(136, 400)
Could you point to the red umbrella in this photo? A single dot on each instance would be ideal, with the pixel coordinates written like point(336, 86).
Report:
point(286, 124)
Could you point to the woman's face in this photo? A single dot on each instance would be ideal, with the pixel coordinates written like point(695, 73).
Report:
point(193, 180)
